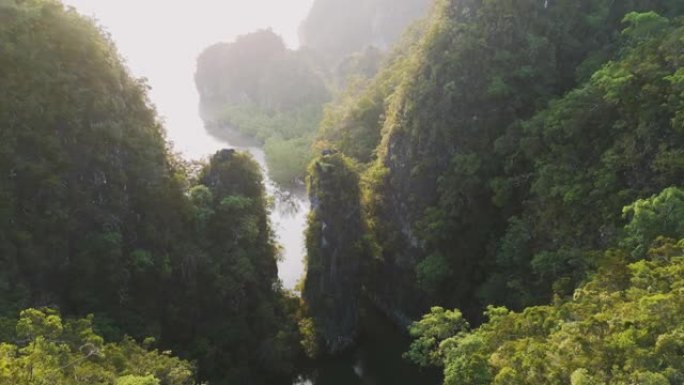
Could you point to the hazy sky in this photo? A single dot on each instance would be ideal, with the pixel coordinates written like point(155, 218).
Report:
point(160, 40)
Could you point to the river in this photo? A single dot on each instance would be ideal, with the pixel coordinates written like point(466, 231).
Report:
point(160, 41)
point(377, 360)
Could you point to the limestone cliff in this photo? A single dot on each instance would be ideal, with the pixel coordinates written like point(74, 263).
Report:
point(456, 160)
point(335, 251)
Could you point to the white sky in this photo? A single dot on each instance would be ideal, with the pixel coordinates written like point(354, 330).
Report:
point(160, 40)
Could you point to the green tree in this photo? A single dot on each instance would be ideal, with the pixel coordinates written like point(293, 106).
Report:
point(53, 351)
point(660, 215)
point(620, 327)
point(98, 217)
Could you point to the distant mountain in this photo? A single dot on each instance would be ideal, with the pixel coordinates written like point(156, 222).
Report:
point(257, 86)
point(338, 28)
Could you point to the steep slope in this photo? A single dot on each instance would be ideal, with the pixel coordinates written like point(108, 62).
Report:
point(96, 216)
point(483, 66)
point(464, 192)
point(614, 139)
point(92, 201)
point(54, 351)
point(336, 249)
point(228, 310)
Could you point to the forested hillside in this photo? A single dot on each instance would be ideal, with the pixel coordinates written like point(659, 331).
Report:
point(496, 157)
point(505, 184)
point(97, 217)
point(622, 326)
point(479, 190)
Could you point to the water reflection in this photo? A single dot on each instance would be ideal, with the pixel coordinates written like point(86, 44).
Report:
point(289, 202)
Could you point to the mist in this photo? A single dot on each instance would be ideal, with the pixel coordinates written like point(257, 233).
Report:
point(160, 41)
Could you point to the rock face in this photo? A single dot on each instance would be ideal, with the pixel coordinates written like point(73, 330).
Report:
point(452, 174)
point(335, 252)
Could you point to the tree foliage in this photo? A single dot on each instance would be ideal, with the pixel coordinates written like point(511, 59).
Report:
point(620, 327)
point(53, 351)
point(610, 141)
point(227, 309)
point(97, 216)
point(500, 148)
point(92, 197)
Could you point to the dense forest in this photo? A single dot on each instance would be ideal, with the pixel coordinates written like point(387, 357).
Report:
point(98, 217)
point(621, 326)
point(54, 351)
point(499, 156)
point(505, 184)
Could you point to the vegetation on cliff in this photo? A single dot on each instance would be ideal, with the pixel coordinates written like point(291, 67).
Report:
point(227, 309)
point(336, 249)
point(497, 156)
point(523, 155)
point(615, 138)
point(97, 217)
point(479, 190)
point(92, 203)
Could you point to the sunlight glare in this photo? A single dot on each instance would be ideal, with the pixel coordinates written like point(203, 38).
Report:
point(160, 40)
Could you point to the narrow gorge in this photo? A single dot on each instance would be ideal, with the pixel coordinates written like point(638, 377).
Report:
point(457, 192)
